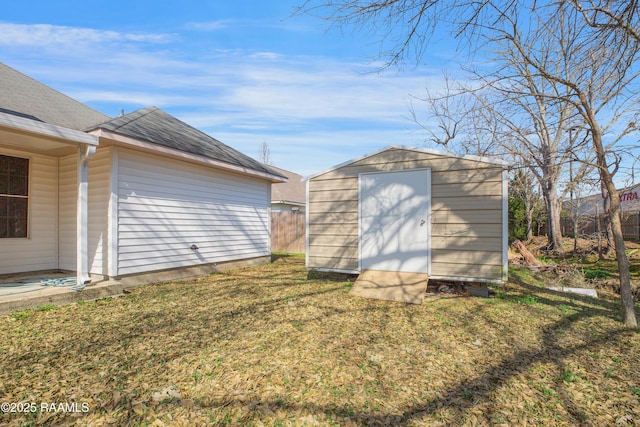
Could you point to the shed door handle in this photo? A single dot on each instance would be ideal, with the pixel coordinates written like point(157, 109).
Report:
point(422, 222)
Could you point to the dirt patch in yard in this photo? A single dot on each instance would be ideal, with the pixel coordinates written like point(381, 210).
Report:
point(271, 346)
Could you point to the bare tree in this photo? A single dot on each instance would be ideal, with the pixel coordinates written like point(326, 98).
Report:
point(562, 75)
point(404, 28)
point(522, 186)
point(535, 136)
point(458, 121)
point(578, 186)
point(622, 17)
point(510, 115)
point(597, 78)
point(265, 153)
point(584, 56)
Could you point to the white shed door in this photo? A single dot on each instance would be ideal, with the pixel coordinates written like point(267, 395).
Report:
point(395, 221)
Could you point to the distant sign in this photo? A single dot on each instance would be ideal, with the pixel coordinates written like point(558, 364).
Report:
point(629, 202)
point(629, 196)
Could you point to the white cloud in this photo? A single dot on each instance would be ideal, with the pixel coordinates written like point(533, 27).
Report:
point(310, 152)
point(266, 55)
point(313, 111)
point(46, 35)
point(210, 25)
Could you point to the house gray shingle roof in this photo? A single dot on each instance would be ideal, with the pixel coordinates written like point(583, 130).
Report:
point(23, 96)
point(292, 191)
point(156, 126)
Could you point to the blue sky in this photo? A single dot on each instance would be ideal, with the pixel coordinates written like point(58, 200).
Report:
point(245, 72)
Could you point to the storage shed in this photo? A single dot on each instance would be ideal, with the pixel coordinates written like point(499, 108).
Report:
point(410, 210)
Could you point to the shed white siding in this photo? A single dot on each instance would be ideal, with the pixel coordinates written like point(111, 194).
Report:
point(166, 206)
point(39, 251)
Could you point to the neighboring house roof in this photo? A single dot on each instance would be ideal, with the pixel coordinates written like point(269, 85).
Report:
point(153, 125)
point(23, 96)
point(294, 190)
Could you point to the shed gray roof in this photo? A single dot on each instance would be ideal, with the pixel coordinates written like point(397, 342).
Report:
point(23, 96)
point(153, 125)
point(495, 161)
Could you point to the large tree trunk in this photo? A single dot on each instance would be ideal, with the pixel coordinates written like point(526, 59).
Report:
point(599, 231)
point(626, 296)
point(606, 206)
point(529, 224)
point(552, 204)
point(528, 211)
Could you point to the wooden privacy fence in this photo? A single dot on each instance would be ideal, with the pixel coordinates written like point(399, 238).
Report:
point(288, 231)
point(588, 226)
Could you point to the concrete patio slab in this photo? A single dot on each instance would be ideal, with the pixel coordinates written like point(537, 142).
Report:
point(32, 295)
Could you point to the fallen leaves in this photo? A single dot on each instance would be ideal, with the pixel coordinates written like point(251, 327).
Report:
point(268, 346)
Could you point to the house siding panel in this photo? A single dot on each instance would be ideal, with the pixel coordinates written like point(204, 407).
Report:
point(99, 193)
point(40, 250)
point(165, 206)
point(466, 221)
point(99, 175)
point(67, 212)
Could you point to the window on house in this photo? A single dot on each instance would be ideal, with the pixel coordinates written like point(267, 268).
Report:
point(14, 196)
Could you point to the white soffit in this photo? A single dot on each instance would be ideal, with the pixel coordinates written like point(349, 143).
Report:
point(61, 134)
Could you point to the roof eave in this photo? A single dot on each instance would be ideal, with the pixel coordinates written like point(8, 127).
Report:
point(47, 130)
point(160, 149)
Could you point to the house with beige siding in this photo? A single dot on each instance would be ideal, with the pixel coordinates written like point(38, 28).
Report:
point(410, 210)
point(121, 197)
point(288, 196)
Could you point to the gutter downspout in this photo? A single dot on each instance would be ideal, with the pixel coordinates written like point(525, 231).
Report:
point(85, 152)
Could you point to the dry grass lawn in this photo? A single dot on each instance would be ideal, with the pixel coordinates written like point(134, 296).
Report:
point(268, 346)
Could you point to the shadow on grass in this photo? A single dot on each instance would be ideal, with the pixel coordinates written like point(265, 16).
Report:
point(460, 398)
point(523, 280)
point(468, 392)
point(275, 256)
point(331, 276)
point(161, 336)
